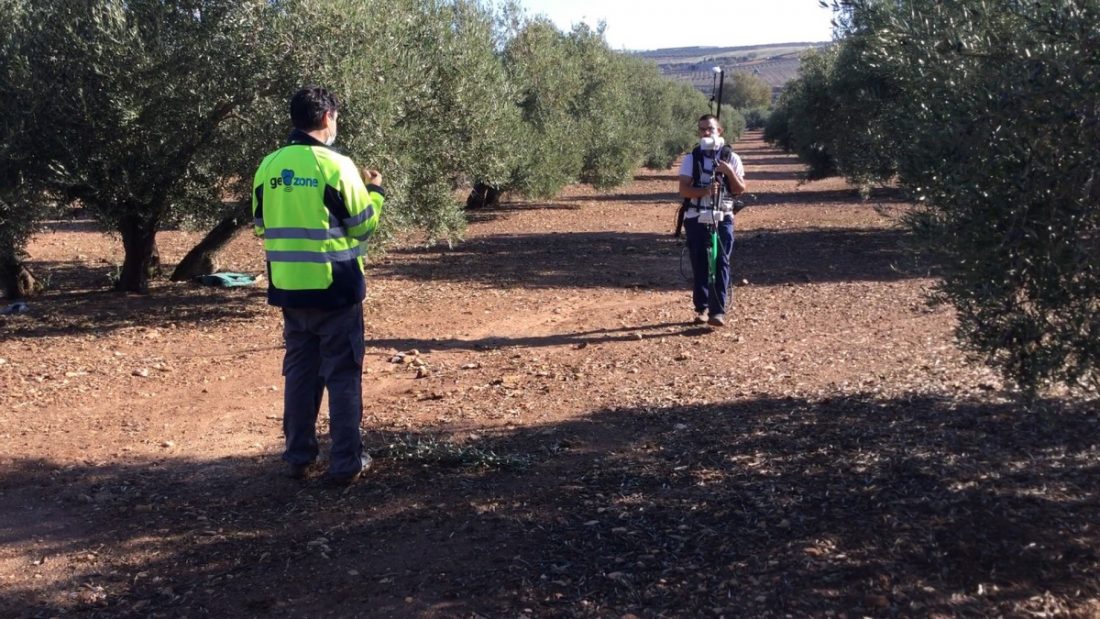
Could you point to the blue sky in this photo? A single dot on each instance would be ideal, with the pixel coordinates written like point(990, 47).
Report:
point(652, 24)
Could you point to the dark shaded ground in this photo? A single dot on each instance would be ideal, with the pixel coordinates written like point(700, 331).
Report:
point(763, 507)
point(632, 260)
point(567, 445)
point(82, 312)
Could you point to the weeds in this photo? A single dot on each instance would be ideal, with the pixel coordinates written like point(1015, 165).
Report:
point(432, 450)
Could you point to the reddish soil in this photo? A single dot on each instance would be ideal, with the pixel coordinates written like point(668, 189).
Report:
point(562, 442)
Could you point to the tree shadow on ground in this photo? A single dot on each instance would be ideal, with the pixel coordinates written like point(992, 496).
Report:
point(502, 210)
point(762, 148)
point(915, 506)
point(796, 174)
point(783, 160)
point(79, 223)
point(68, 313)
point(641, 198)
point(579, 339)
point(776, 257)
point(664, 178)
point(652, 261)
point(814, 197)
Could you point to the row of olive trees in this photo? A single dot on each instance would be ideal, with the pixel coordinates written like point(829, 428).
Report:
point(989, 114)
point(152, 114)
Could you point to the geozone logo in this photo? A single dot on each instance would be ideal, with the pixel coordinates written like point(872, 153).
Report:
point(290, 181)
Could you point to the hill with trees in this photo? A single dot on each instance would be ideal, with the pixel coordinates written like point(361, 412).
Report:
point(775, 64)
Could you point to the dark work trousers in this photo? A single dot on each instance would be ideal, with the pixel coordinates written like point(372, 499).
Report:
point(324, 349)
point(698, 240)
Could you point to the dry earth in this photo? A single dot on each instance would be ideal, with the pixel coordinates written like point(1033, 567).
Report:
point(561, 442)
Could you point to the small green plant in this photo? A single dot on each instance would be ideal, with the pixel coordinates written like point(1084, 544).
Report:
point(114, 275)
point(432, 450)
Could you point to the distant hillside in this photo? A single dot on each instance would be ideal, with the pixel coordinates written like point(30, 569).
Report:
point(775, 64)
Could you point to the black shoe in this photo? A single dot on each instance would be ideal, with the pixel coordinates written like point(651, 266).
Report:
point(297, 471)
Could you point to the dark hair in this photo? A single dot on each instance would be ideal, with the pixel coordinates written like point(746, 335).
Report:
point(309, 105)
point(709, 117)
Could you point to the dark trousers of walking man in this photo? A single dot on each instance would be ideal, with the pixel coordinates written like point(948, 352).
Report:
point(707, 298)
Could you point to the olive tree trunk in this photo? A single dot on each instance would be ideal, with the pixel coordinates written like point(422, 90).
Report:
point(201, 260)
point(16, 280)
point(142, 260)
point(483, 195)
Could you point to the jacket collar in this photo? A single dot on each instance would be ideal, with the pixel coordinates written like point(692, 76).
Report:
point(299, 137)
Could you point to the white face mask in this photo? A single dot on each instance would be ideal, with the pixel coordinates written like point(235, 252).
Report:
point(711, 142)
point(331, 138)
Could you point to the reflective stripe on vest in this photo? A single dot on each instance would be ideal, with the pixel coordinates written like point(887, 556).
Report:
point(308, 234)
point(323, 257)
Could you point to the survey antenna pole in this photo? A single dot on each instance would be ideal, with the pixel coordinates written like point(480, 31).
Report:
point(721, 80)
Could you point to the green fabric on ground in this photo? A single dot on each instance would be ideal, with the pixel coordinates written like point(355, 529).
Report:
point(226, 280)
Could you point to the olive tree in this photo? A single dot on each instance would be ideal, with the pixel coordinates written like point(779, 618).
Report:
point(803, 121)
point(744, 91)
point(123, 97)
point(995, 130)
point(664, 111)
point(543, 66)
point(22, 209)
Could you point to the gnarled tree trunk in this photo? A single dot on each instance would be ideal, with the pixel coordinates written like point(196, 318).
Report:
point(482, 195)
point(15, 279)
point(142, 260)
point(201, 259)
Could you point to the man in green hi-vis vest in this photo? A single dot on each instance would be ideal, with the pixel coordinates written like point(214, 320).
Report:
point(315, 211)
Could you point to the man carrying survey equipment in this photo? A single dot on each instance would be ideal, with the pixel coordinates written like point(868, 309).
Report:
point(710, 176)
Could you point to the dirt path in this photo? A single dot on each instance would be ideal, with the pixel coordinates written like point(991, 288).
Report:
point(561, 443)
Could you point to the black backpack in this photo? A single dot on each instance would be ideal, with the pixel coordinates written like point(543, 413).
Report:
point(724, 154)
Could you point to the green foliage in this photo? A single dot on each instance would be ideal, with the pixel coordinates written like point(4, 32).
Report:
point(120, 101)
point(591, 114)
point(733, 125)
point(21, 208)
point(745, 90)
point(808, 107)
point(602, 111)
point(540, 62)
point(778, 130)
point(156, 113)
point(988, 114)
point(668, 110)
point(867, 113)
point(755, 118)
point(427, 101)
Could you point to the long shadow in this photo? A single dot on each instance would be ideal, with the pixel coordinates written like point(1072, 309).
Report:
point(784, 161)
point(80, 224)
point(653, 261)
point(661, 196)
point(915, 506)
point(73, 313)
point(551, 260)
point(777, 257)
point(760, 148)
point(665, 178)
point(770, 175)
point(578, 339)
point(502, 210)
point(818, 196)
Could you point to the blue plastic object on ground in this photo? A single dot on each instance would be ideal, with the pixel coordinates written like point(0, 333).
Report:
point(226, 280)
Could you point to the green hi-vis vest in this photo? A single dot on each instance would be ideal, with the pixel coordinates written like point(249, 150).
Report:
point(315, 215)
